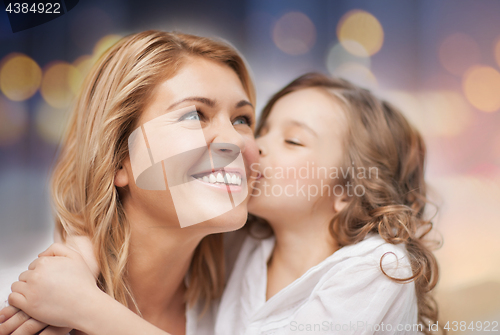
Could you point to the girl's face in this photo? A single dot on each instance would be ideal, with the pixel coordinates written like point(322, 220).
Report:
point(192, 146)
point(300, 143)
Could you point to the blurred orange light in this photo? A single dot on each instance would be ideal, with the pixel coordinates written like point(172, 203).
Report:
point(361, 27)
point(56, 84)
point(20, 77)
point(481, 85)
point(294, 33)
point(458, 52)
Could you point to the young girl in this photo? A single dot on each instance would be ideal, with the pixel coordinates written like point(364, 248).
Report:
point(341, 192)
point(342, 188)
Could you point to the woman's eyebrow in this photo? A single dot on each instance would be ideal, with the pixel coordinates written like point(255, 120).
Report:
point(243, 103)
point(206, 101)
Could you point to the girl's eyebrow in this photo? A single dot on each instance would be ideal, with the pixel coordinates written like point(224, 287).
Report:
point(302, 125)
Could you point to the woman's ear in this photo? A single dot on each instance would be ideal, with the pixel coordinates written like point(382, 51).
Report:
point(121, 177)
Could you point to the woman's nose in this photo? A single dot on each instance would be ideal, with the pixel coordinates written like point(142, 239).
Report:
point(224, 139)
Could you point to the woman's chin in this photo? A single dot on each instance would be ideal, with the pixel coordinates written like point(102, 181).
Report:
point(229, 221)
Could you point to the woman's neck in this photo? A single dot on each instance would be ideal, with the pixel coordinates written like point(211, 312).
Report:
point(299, 246)
point(158, 261)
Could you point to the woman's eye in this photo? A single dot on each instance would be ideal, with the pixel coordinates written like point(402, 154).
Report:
point(192, 116)
point(294, 142)
point(242, 120)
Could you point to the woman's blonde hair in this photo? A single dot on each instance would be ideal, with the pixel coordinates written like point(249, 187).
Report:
point(112, 98)
point(378, 136)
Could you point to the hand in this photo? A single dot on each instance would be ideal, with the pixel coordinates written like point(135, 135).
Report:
point(16, 322)
point(57, 289)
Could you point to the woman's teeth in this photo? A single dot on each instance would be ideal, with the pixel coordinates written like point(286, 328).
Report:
point(221, 178)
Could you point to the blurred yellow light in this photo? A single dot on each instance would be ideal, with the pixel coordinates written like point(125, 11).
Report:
point(481, 85)
point(105, 43)
point(13, 121)
point(458, 52)
point(294, 33)
point(50, 122)
point(363, 28)
point(497, 52)
point(83, 65)
point(20, 77)
point(357, 74)
point(338, 56)
point(56, 84)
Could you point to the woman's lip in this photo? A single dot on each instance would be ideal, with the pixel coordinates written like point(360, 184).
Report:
point(241, 172)
point(223, 187)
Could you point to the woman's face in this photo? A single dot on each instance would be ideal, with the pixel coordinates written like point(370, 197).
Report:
point(198, 128)
point(300, 143)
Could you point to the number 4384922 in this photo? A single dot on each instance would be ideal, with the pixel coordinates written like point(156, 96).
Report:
point(472, 326)
point(40, 8)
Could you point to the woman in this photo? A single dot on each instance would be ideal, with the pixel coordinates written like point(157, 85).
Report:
point(142, 251)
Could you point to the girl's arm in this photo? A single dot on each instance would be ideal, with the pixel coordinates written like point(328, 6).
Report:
point(16, 322)
point(59, 289)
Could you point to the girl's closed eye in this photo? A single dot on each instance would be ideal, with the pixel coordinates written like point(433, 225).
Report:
point(293, 141)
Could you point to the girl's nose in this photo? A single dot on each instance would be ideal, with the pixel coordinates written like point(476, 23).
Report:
point(261, 146)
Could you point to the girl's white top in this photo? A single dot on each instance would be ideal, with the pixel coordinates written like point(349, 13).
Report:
point(347, 293)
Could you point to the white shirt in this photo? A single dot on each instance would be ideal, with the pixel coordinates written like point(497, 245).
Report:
point(346, 288)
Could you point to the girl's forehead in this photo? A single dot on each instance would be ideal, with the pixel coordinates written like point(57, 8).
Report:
point(313, 106)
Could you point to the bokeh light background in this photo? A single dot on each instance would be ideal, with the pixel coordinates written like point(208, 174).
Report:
point(439, 61)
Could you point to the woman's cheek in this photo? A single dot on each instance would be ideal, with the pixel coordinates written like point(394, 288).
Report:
point(251, 152)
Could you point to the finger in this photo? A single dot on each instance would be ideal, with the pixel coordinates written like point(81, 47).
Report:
point(17, 300)
point(57, 249)
point(7, 313)
point(19, 287)
point(30, 327)
point(33, 264)
point(25, 275)
point(55, 331)
point(13, 323)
